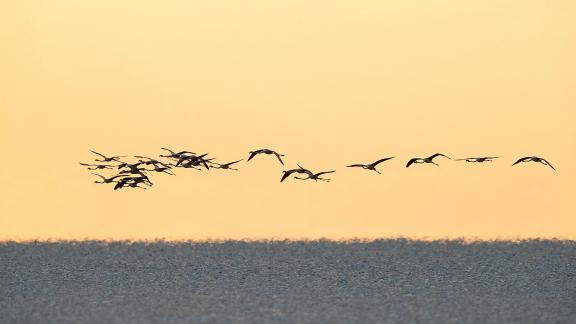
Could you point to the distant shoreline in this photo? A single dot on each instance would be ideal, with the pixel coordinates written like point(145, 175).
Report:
point(463, 241)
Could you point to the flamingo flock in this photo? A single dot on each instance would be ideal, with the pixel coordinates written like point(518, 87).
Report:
point(136, 174)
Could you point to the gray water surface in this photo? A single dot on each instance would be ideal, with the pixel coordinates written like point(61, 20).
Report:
point(386, 281)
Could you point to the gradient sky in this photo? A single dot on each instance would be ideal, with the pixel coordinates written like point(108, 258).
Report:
point(327, 83)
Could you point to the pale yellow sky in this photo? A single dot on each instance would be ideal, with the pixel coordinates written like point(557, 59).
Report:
point(327, 83)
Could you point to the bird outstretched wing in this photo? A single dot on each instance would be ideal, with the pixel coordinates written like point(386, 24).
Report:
point(104, 157)
point(121, 183)
point(382, 160)
point(411, 162)
point(205, 163)
point(438, 154)
point(286, 175)
point(545, 162)
point(325, 172)
point(230, 163)
point(304, 170)
point(169, 150)
point(355, 165)
point(185, 152)
point(521, 160)
point(279, 158)
point(253, 154)
point(185, 158)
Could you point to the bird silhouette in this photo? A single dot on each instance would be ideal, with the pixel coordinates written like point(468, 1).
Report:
point(265, 151)
point(107, 159)
point(142, 178)
point(300, 169)
point(150, 161)
point(162, 169)
point(316, 176)
point(158, 165)
point(425, 160)
point(97, 166)
point(225, 166)
point(194, 161)
point(175, 155)
point(479, 159)
point(534, 159)
point(190, 158)
point(132, 182)
point(135, 175)
point(370, 166)
point(138, 171)
point(107, 180)
point(132, 168)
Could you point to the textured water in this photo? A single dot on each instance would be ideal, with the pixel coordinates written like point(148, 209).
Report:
point(387, 281)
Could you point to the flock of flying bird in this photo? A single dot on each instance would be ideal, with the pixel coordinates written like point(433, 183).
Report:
point(135, 175)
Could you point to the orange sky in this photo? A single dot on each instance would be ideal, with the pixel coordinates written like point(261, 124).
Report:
point(327, 83)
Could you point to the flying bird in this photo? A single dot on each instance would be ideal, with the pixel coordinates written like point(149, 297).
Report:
point(425, 160)
point(534, 159)
point(265, 151)
point(190, 158)
point(193, 161)
point(138, 171)
point(226, 166)
point(371, 166)
point(479, 159)
point(129, 182)
point(142, 179)
point(150, 161)
point(158, 166)
point(162, 169)
point(97, 166)
point(129, 165)
point(300, 169)
point(107, 159)
point(316, 176)
point(175, 155)
point(132, 168)
point(107, 180)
